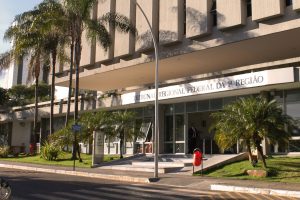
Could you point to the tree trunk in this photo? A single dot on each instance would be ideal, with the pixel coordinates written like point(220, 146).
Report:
point(249, 151)
point(121, 144)
point(260, 151)
point(77, 64)
point(36, 100)
point(52, 90)
point(70, 83)
point(37, 75)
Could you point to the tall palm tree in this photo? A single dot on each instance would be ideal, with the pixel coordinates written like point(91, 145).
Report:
point(27, 40)
point(252, 119)
point(80, 11)
point(51, 22)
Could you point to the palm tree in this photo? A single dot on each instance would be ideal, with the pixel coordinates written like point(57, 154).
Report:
point(255, 119)
point(27, 40)
point(80, 12)
point(123, 122)
point(51, 23)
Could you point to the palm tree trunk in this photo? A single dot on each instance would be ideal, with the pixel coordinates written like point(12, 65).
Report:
point(121, 144)
point(249, 150)
point(70, 82)
point(36, 100)
point(260, 151)
point(52, 90)
point(37, 75)
point(77, 64)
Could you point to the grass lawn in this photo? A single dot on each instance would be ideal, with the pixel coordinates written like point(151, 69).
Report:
point(63, 160)
point(281, 169)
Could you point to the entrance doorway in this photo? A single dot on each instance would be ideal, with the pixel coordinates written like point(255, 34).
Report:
point(199, 135)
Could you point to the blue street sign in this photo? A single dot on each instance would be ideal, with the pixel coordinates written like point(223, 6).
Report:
point(76, 127)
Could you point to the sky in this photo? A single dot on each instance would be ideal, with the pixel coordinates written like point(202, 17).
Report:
point(8, 10)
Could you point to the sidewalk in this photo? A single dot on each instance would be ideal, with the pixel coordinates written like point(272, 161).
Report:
point(184, 181)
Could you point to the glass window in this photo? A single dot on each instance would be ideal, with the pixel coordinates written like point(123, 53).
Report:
point(179, 148)
point(139, 112)
point(278, 96)
point(179, 127)
point(203, 106)
point(148, 111)
point(288, 2)
point(216, 104)
point(249, 8)
point(228, 100)
point(293, 95)
point(293, 109)
point(169, 128)
point(213, 12)
point(294, 145)
point(191, 107)
point(168, 147)
point(169, 109)
point(179, 108)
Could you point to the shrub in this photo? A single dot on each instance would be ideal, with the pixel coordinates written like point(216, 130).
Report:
point(50, 151)
point(4, 151)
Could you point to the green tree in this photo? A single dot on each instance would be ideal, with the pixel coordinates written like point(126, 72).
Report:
point(252, 119)
point(3, 96)
point(80, 13)
point(124, 127)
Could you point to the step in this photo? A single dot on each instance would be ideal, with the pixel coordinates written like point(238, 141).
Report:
point(140, 169)
point(160, 164)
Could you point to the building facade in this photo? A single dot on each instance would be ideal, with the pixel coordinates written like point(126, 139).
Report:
point(211, 52)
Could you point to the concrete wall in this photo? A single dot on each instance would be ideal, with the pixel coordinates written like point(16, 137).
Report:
point(86, 52)
point(170, 21)
point(296, 4)
point(103, 8)
point(231, 13)
point(267, 9)
point(21, 134)
point(198, 17)
point(125, 42)
point(144, 40)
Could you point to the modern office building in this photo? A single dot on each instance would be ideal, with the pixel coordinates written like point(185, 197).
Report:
point(211, 52)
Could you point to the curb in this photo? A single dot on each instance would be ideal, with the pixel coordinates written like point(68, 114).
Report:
point(253, 190)
point(79, 173)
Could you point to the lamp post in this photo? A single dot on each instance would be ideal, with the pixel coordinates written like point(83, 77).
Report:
point(156, 122)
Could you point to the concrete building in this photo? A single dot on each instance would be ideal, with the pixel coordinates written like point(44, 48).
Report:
point(211, 53)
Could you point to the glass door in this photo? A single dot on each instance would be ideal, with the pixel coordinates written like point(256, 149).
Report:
point(174, 129)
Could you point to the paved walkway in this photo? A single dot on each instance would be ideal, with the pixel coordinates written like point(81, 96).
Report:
point(186, 181)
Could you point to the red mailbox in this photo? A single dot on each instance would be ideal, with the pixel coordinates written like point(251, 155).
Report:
point(197, 157)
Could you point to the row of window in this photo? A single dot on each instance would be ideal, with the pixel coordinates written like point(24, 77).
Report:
point(249, 9)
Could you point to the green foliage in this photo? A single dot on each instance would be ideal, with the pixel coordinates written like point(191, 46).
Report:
point(3, 96)
point(63, 137)
point(20, 95)
point(50, 151)
point(252, 119)
point(4, 151)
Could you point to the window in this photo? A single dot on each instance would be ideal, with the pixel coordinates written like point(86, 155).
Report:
point(288, 2)
point(213, 12)
point(249, 8)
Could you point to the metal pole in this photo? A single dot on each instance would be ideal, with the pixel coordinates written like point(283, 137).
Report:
point(156, 134)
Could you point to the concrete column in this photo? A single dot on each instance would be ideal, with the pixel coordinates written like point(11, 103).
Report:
point(170, 21)
point(103, 8)
point(198, 18)
point(144, 39)
point(231, 13)
point(125, 42)
point(296, 5)
point(266, 9)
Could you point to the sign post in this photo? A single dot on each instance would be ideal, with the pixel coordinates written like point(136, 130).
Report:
point(98, 147)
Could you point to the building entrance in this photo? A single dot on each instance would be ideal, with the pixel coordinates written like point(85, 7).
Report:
point(199, 135)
